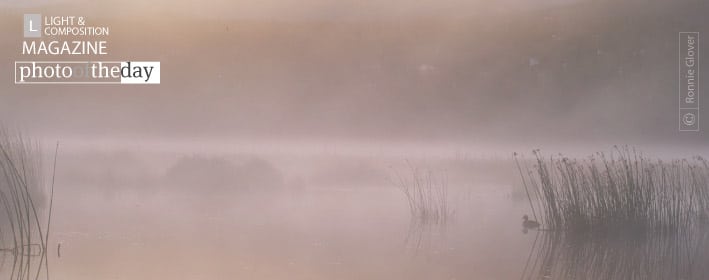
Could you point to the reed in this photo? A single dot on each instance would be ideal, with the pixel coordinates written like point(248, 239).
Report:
point(426, 194)
point(21, 198)
point(622, 190)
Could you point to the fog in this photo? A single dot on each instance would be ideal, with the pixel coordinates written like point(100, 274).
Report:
point(586, 72)
point(360, 140)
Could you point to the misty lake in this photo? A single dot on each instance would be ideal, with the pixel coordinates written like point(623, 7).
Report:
point(126, 215)
point(353, 140)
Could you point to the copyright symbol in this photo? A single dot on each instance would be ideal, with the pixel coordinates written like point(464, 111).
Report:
point(689, 119)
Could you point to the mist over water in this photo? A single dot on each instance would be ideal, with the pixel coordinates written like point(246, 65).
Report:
point(329, 217)
point(356, 140)
point(321, 215)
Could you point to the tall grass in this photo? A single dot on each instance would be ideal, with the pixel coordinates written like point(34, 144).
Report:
point(620, 190)
point(22, 224)
point(426, 194)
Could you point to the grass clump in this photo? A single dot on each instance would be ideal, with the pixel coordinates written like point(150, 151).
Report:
point(620, 190)
point(427, 195)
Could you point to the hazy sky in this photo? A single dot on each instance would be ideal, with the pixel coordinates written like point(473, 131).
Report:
point(432, 70)
point(292, 9)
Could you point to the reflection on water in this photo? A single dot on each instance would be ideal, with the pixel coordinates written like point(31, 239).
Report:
point(315, 234)
point(424, 237)
point(619, 255)
point(29, 263)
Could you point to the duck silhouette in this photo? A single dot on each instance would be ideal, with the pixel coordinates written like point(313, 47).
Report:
point(529, 224)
